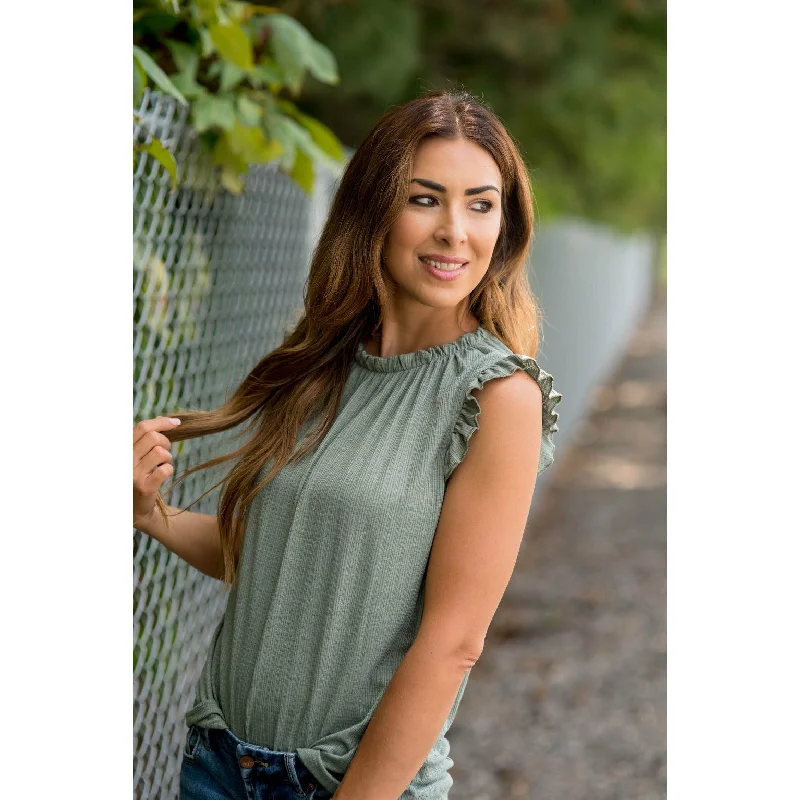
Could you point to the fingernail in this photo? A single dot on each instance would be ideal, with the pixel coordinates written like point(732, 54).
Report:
point(174, 420)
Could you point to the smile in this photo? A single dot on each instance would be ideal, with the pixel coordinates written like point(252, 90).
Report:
point(446, 266)
point(441, 270)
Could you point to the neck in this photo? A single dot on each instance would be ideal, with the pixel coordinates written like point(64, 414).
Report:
point(395, 339)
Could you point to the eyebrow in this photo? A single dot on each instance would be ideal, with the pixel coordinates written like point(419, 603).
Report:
point(437, 187)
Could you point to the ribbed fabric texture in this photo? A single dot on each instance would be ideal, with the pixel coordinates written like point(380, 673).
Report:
point(330, 589)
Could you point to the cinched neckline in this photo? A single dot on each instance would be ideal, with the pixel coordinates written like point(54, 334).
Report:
point(403, 361)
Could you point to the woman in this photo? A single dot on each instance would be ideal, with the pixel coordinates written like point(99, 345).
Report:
point(368, 525)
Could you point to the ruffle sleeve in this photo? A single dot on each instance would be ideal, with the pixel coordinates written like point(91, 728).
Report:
point(467, 419)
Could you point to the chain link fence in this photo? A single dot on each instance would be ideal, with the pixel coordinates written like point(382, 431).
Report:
point(218, 279)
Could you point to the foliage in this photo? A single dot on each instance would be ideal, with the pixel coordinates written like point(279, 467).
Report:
point(581, 85)
point(239, 66)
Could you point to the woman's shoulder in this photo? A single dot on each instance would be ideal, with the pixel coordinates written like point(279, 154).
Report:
point(493, 359)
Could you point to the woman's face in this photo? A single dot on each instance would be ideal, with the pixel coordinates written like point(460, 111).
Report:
point(451, 220)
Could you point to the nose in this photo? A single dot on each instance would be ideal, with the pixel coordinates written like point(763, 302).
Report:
point(452, 228)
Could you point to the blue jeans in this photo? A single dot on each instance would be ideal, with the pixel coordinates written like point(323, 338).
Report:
point(219, 766)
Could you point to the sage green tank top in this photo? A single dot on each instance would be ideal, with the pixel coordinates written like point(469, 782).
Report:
point(329, 593)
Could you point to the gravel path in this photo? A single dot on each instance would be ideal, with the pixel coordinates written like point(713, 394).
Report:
point(568, 700)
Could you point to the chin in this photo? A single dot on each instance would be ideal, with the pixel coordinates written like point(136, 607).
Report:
point(443, 296)
point(441, 300)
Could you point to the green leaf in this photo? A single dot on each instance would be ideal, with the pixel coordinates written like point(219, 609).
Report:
point(289, 45)
point(139, 82)
point(185, 56)
point(231, 180)
point(303, 172)
point(209, 10)
point(206, 44)
point(232, 44)
point(296, 138)
point(250, 112)
point(278, 128)
point(321, 63)
point(323, 137)
point(296, 50)
point(320, 134)
point(251, 145)
point(188, 86)
point(209, 111)
point(267, 73)
point(163, 156)
point(230, 76)
point(233, 166)
point(270, 102)
point(225, 156)
point(157, 75)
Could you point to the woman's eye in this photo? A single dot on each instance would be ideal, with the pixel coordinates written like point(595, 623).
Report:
point(428, 201)
point(485, 206)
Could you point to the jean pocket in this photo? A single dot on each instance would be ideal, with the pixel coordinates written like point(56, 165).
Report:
point(194, 740)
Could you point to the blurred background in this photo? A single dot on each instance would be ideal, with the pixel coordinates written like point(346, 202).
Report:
point(243, 117)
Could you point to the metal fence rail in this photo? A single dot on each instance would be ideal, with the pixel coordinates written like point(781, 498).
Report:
point(217, 280)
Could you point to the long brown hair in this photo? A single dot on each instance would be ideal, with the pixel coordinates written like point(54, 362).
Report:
point(344, 296)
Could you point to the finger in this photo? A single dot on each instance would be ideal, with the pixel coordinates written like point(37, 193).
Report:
point(154, 480)
point(155, 424)
point(150, 440)
point(153, 459)
point(147, 466)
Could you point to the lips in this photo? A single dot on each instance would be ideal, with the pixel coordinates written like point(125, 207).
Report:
point(450, 273)
point(443, 259)
point(444, 263)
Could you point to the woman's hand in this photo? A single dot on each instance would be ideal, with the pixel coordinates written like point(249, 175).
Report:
point(152, 464)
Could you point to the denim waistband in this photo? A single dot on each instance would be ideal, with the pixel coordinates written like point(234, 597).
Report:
point(231, 745)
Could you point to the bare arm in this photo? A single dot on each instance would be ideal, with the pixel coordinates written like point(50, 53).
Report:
point(192, 536)
point(475, 548)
